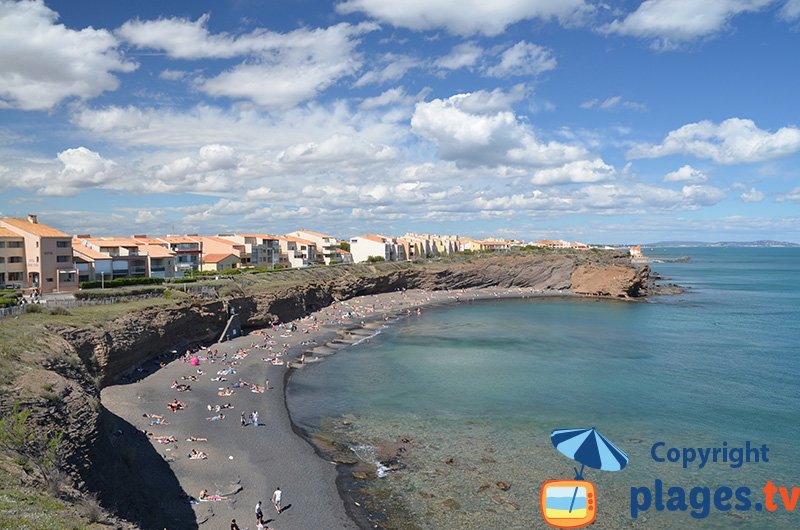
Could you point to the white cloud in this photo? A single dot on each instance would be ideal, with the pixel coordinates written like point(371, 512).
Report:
point(612, 102)
point(733, 141)
point(302, 64)
point(752, 195)
point(393, 96)
point(337, 148)
point(43, 63)
point(791, 196)
point(396, 67)
point(463, 55)
point(790, 10)
point(467, 17)
point(686, 174)
point(523, 59)
point(574, 172)
point(672, 22)
point(470, 129)
point(76, 169)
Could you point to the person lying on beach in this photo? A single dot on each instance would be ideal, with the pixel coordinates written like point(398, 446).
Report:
point(218, 379)
point(257, 389)
point(152, 416)
point(239, 383)
point(196, 439)
point(226, 371)
point(200, 372)
point(165, 439)
point(176, 405)
point(225, 393)
point(181, 387)
point(197, 455)
point(216, 417)
point(190, 378)
point(205, 497)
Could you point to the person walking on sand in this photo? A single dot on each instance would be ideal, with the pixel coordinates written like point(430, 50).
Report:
point(259, 513)
point(244, 421)
point(234, 526)
point(276, 499)
point(255, 418)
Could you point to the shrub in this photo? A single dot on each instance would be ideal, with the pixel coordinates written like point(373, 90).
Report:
point(59, 311)
point(375, 259)
point(117, 293)
point(182, 280)
point(121, 282)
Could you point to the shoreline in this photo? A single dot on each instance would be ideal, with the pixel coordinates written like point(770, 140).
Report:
point(318, 492)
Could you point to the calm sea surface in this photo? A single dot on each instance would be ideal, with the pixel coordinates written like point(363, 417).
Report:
point(485, 383)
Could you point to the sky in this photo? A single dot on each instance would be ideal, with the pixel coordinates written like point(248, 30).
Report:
point(594, 121)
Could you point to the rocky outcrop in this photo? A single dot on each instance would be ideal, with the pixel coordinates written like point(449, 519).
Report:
point(610, 280)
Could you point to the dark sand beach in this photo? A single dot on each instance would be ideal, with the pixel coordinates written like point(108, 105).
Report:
point(244, 465)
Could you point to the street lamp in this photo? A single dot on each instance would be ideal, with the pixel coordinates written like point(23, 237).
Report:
point(102, 280)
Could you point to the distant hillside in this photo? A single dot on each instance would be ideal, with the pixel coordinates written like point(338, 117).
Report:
point(755, 244)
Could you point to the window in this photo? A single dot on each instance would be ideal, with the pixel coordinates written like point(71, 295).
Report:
point(15, 276)
point(49, 280)
point(62, 259)
point(15, 259)
point(15, 244)
point(2, 259)
point(2, 244)
point(61, 244)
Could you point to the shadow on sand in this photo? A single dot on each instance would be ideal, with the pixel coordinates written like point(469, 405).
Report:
point(133, 480)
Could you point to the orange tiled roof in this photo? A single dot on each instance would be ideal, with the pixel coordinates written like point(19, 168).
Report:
point(156, 251)
point(36, 229)
point(375, 238)
point(87, 252)
point(216, 258)
point(298, 240)
point(4, 232)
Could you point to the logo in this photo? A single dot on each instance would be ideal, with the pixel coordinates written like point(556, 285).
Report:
point(573, 503)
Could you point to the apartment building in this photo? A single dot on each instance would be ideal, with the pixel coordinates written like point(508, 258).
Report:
point(110, 258)
point(261, 250)
point(48, 255)
point(327, 247)
point(188, 253)
point(372, 245)
point(296, 251)
point(419, 246)
point(215, 247)
point(12, 259)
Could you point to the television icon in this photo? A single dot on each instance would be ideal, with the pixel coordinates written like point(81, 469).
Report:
point(568, 503)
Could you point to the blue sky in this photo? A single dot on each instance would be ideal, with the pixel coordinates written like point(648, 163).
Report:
point(592, 121)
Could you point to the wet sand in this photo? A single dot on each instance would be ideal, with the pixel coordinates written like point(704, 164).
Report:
point(245, 464)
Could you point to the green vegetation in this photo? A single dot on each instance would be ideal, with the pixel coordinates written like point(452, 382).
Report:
point(9, 297)
point(32, 450)
point(375, 259)
point(344, 245)
point(118, 293)
point(121, 282)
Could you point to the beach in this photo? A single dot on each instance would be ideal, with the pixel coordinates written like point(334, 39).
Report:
point(245, 464)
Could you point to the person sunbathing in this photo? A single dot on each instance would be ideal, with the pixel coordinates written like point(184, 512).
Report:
point(257, 389)
point(197, 455)
point(204, 496)
point(190, 378)
point(183, 388)
point(216, 417)
point(225, 393)
point(196, 439)
point(218, 379)
point(176, 405)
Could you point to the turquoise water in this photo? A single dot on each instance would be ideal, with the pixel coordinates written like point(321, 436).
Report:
point(485, 383)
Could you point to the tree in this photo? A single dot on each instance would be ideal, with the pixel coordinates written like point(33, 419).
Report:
point(344, 245)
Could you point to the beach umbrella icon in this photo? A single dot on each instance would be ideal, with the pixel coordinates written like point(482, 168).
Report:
point(590, 448)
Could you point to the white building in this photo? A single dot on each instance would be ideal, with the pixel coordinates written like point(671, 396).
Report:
point(327, 246)
point(371, 245)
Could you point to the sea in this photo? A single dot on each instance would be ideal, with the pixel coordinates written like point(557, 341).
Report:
point(472, 391)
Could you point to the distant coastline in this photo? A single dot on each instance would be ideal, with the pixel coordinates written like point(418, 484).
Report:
point(764, 243)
